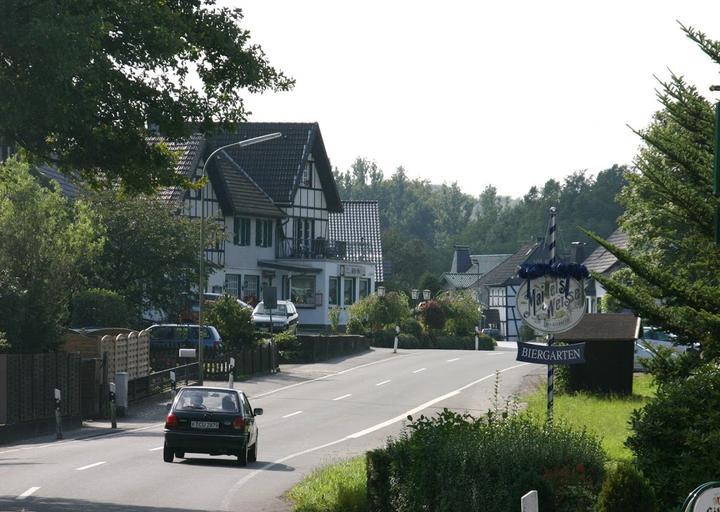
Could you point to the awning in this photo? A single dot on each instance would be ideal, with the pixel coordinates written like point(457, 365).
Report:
point(289, 267)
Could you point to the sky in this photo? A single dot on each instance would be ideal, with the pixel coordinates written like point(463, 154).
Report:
point(508, 94)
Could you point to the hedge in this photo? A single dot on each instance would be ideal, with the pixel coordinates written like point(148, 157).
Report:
point(386, 339)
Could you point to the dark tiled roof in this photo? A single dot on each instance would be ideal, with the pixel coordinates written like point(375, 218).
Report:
point(461, 259)
point(276, 166)
point(68, 185)
point(486, 262)
point(601, 260)
point(237, 192)
point(189, 152)
point(607, 327)
point(460, 280)
point(506, 272)
point(359, 226)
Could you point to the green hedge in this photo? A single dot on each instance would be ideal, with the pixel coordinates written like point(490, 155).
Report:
point(453, 462)
point(386, 339)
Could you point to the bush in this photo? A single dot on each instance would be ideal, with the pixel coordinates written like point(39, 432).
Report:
point(334, 317)
point(454, 462)
point(462, 312)
point(4, 344)
point(676, 436)
point(625, 488)
point(233, 322)
point(98, 307)
point(433, 315)
point(375, 312)
point(411, 326)
point(464, 343)
point(354, 326)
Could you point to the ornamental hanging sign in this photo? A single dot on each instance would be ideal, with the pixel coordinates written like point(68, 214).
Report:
point(552, 300)
point(555, 354)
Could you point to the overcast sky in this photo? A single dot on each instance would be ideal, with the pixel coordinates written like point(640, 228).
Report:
point(503, 93)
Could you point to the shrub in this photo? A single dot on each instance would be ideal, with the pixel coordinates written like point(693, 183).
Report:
point(375, 312)
point(411, 326)
point(676, 436)
point(354, 326)
point(625, 488)
point(526, 333)
point(233, 322)
point(98, 307)
point(433, 315)
point(462, 312)
point(4, 344)
point(454, 462)
point(334, 317)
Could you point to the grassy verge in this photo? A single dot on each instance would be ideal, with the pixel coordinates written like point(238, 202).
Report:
point(605, 416)
point(336, 488)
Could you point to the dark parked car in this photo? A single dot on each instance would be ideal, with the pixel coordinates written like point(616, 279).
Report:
point(216, 421)
point(182, 336)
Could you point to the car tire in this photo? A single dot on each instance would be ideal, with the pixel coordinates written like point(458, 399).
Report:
point(242, 456)
point(180, 454)
point(168, 453)
point(252, 456)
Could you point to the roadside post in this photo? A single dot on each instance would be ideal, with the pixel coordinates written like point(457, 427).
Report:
point(397, 335)
point(231, 373)
point(58, 415)
point(173, 385)
point(113, 409)
point(477, 337)
point(551, 300)
point(529, 502)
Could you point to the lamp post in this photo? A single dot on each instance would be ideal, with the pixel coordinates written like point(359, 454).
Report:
point(426, 294)
point(381, 291)
point(414, 293)
point(201, 280)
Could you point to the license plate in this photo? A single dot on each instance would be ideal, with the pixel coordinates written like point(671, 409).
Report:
point(205, 424)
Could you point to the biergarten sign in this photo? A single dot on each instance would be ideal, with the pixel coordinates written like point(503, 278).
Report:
point(556, 354)
point(705, 498)
point(551, 304)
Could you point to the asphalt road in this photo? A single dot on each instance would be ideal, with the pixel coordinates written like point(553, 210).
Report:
point(314, 415)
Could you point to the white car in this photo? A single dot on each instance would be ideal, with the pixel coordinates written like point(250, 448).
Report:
point(654, 338)
point(284, 317)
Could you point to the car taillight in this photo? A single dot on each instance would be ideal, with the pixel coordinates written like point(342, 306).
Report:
point(239, 423)
point(171, 421)
point(216, 344)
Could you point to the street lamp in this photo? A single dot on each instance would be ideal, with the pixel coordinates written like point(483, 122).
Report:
point(201, 280)
point(414, 293)
point(381, 291)
point(426, 294)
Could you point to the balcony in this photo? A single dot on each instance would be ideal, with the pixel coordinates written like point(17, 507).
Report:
point(322, 249)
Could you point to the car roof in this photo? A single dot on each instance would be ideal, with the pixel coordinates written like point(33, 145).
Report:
point(179, 325)
point(212, 388)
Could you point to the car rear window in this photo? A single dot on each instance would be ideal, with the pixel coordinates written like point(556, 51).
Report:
point(207, 400)
point(281, 310)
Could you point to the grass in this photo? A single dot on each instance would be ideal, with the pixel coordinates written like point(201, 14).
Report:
point(607, 417)
point(341, 487)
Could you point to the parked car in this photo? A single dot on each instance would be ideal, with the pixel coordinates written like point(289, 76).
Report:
point(190, 313)
point(216, 421)
point(654, 338)
point(182, 336)
point(284, 317)
point(493, 333)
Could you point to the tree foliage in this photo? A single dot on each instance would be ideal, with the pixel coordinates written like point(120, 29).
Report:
point(233, 322)
point(81, 80)
point(673, 258)
point(45, 240)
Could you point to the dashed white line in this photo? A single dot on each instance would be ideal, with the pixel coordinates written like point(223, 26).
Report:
point(383, 382)
point(27, 493)
point(292, 414)
point(419, 370)
point(90, 466)
point(156, 449)
point(453, 360)
point(341, 397)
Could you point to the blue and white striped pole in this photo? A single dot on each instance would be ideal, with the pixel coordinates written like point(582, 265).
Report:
point(551, 338)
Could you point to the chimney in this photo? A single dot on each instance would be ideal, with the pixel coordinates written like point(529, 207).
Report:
point(577, 252)
point(461, 259)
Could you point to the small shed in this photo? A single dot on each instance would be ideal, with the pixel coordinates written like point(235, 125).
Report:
point(609, 352)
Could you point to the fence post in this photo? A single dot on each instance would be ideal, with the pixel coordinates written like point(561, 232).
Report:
point(58, 415)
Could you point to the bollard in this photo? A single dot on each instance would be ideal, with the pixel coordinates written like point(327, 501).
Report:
point(397, 334)
point(529, 502)
point(113, 410)
point(477, 337)
point(58, 415)
point(173, 386)
point(231, 373)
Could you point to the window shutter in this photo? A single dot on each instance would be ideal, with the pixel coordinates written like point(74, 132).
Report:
point(236, 230)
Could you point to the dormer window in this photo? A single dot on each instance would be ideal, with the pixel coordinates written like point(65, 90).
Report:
point(307, 174)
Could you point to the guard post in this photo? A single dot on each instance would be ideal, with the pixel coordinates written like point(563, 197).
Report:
point(58, 415)
point(173, 386)
point(113, 406)
point(231, 374)
point(397, 335)
point(477, 337)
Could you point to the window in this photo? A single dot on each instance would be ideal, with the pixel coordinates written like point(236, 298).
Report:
point(364, 288)
point(250, 289)
point(232, 284)
point(334, 292)
point(242, 231)
point(285, 292)
point(348, 291)
point(302, 291)
point(307, 175)
point(263, 233)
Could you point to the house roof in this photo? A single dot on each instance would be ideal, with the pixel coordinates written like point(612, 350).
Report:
point(601, 260)
point(506, 272)
point(68, 185)
point(460, 280)
point(484, 263)
point(189, 152)
point(276, 166)
point(237, 192)
point(603, 327)
point(359, 226)
point(461, 259)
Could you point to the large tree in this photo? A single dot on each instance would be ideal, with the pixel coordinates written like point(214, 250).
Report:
point(80, 80)
point(45, 240)
point(674, 261)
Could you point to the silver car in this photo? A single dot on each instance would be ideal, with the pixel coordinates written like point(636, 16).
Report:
point(284, 317)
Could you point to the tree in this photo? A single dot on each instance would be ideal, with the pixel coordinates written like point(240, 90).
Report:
point(151, 254)
point(81, 81)
point(45, 240)
point(233, 321)
point(673, 257)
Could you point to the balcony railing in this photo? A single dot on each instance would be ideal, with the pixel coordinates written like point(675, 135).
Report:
point(321, 248)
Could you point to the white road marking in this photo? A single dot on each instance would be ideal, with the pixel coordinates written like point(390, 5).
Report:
point(383, 382)
point(292, 414)
point(90, 466)
point(261, 395)
point(156, 449)
point(341, 397)
point(420, 370)
point(453, 360)
point(27, 493)
point(227, 501)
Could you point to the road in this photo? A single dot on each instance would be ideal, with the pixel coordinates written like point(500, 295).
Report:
point(341, 410)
